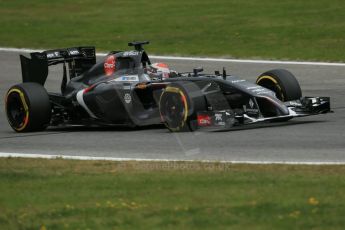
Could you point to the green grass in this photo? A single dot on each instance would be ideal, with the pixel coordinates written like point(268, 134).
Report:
point(61, 194)
point(290, 29)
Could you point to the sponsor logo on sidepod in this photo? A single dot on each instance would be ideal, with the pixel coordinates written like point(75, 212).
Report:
point(204, 120)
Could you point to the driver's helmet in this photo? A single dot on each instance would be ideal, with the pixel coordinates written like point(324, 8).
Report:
point(158, 71)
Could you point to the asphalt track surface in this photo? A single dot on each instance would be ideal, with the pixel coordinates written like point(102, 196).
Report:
point(309, 139)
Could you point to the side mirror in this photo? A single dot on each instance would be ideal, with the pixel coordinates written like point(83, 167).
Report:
point(197, 70)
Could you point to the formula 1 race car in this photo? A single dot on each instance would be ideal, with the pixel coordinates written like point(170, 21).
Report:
point(120, 90)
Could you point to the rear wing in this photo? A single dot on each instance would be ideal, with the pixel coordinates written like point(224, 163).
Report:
point(78, 59)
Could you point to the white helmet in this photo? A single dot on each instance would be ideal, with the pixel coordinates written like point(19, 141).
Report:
point(158, 71)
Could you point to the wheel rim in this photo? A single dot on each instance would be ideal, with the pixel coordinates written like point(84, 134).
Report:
point(17, 109)
point(270, 83)
point(174, 109)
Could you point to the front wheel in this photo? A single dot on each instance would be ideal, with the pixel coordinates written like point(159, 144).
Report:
point(179, 104)
point(282, 82)
point(28, 107)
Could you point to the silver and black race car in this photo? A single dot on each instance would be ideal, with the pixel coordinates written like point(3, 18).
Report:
point(120, 90)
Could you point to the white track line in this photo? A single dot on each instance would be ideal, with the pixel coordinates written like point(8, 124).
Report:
point(24, 50)
point(42, 156)
point(248, 61)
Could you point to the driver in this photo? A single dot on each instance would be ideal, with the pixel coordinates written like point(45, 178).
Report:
point(159, 71)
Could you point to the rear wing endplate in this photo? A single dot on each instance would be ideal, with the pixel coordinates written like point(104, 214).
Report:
point(35, 68)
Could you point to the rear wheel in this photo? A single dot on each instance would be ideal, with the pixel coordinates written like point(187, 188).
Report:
point(282, 82)
point(28, 107)
point(179, 104)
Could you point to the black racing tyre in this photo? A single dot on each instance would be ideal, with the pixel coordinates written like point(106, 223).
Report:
point(28, 107)
point(179, 104)
point(282, 82)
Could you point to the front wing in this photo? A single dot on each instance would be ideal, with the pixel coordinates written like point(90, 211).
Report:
point(226, 119)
